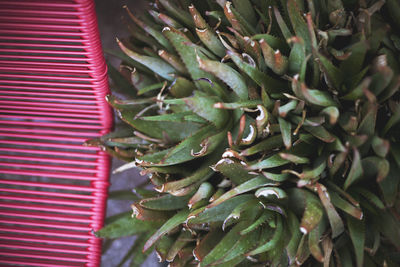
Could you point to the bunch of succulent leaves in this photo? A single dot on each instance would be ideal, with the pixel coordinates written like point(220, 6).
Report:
point(269, 130)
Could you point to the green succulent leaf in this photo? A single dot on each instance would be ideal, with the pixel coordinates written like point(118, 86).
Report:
point(270, 244)
point(173, 222)
point(247, 186)
point(271, 162)
point(233, 170)
point(298, 23)
point(204, 107)
point(157, 65)
point(227, 74)
point(270, 84)
point(176, 131)
point(165, 202)
point(357, 235)
point(356, 170)
point(225, 245)
point(183, 151)
point(220, 212)
point(124, 224)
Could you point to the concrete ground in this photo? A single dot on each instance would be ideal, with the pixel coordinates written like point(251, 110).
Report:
point(109, 15)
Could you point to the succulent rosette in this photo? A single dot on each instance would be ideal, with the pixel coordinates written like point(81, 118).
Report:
point(268, 129)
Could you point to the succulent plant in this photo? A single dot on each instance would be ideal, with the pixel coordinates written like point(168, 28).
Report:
point(269, 131)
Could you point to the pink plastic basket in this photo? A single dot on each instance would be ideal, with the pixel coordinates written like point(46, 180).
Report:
point(52, 87)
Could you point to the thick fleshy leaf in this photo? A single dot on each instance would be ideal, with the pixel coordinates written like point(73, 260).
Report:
point(125, 58)
point(332, 73)
point(314, 240)
point(380, 146)
point(176, 131)
point(381, 79)
point(173, 222)
point(354, 63)
point(389, 186)
point(265, 145)
point(157, 65)
point(145, 214)
point(312, 208)
point(173, 60)
point(207, 243)
point(204, 192)
point(271, 162)
point(297, 59)
point(321, 133)
point(206, 34)
point(121, 84)
point(298, 23)
point(237, 20)
point(238, 104)
point(204, 107)
point(227, 74)
point(183, 239)
point(124, 225)
point(139, 80)
point(356, 170)
point(270, 84)
point(162, 246)
point(371, 197)
point(269, 191)
point(270, 244)
point(282, 24)
point(150, 88)
point(277, 62)
point(243, 246)
point(294, 158)
point(285, 109)
point(233, 170)
point(266, 216)
point(274, 42)
point(151, 30)
point(293, 244)
point(179, 153)
point(342, 204)
point(189, 54)
point(376, 167)
point(332, 113)
point(303, 251)
point(199, 175)
point(334, 218)
point(174, 117)
point(181, 87)
point(220, 212)
point(247, 186)
point(177, 12)
point(245, 211)
point(394, 120)
point(277, 177)
point(310, 173)
point(317, 97)
point(358, 91)
point(165, 202)
point(224, 245)
point(357, 235)
point(286, 130)
point(245, 8)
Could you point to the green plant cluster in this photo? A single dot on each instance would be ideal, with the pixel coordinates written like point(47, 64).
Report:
point(269, 130)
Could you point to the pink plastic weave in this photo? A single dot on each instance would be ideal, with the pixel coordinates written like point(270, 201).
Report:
point(52, 87)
